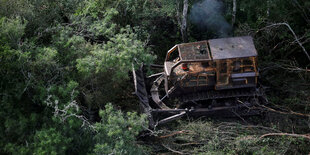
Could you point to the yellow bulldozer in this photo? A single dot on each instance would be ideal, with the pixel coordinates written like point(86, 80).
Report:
point(212, 77)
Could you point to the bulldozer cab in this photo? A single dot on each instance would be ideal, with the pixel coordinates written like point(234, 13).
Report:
point(224, 63)
point(191, 62)
point(187, 53)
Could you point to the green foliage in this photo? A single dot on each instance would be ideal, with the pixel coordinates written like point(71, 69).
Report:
point(117, 132)
point(12, 30)
point(49, 141)
point(116, 56)
point(11, 58)
point(42, 76)
point(105, 27)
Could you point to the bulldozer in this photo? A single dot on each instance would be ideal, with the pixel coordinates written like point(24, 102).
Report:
point(217, 77)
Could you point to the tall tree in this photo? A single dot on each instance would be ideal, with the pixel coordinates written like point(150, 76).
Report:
point(182, 20)
point(234, 11)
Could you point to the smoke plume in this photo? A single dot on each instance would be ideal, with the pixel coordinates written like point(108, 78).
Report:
point(207, 16)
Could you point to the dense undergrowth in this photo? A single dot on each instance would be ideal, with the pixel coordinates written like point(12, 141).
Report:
point(65, 84)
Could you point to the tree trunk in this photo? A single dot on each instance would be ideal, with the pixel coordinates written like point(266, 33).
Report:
point(268, 8)
point(178, 13)
point(233, 20)
point(184, 21)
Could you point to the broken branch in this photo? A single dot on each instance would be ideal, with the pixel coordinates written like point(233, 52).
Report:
point(175, 133)
point(290, 113)
point(174, 151)
point(307, 136)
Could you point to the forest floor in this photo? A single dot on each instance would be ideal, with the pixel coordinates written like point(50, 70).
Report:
point(271, 133)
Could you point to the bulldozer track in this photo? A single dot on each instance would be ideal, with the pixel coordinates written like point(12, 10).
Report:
point(211, 94)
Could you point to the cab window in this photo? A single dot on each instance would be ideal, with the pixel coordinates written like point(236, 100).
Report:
point(223, 67)
point(236, 66)
point(247, 62)
point(174, 56)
